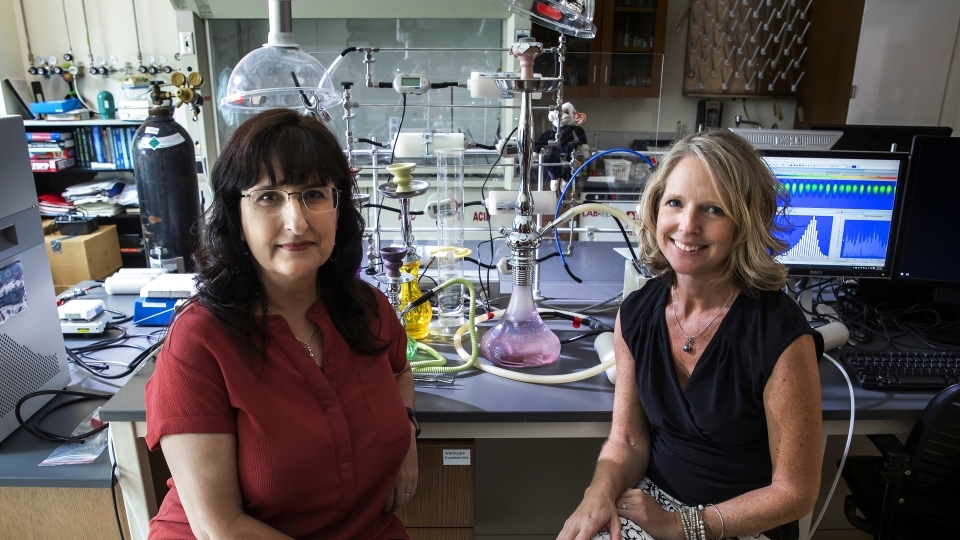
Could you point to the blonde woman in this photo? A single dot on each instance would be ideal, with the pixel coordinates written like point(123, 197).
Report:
point(717, 415)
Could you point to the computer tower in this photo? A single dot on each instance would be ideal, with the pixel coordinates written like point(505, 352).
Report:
point(32, 355)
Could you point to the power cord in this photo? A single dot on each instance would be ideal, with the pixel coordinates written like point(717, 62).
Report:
point(45, 435)
point(846, 448)
point(393, 149)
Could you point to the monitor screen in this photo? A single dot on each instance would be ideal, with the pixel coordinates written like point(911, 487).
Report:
point(842, 205)
point(930, 221)
point(880, 138)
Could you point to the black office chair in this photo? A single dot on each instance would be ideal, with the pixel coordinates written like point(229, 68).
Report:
point(913, 489)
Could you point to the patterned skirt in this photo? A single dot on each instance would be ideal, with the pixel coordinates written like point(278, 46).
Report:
point(632, 531)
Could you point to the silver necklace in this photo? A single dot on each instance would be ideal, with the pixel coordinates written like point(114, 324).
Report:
point(304, 343)
point(688, 346)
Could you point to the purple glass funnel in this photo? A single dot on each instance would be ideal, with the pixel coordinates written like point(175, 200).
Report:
point(521, 339)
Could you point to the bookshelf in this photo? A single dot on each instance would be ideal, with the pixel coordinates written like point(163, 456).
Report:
point(128, 225)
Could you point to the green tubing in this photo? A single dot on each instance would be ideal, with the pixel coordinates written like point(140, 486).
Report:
point(437, 364)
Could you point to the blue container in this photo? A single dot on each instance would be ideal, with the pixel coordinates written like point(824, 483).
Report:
point(54, 107)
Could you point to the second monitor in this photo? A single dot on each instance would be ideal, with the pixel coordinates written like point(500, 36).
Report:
point(842, 211)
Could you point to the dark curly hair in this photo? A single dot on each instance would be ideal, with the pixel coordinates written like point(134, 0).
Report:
point(282, 143)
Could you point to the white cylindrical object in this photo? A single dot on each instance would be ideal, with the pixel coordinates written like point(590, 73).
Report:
point(410, 145)
point(504, 202)
point(127, 283)
point(834, 335)
point(483, 85)
point(604, 347)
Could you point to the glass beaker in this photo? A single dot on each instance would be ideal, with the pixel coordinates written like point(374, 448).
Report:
point(450, 252)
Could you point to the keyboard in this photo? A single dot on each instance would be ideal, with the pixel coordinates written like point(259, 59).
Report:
point(903, 370)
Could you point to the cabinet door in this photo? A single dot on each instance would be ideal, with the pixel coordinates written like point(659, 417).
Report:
point(581, 70)
point(632, 42)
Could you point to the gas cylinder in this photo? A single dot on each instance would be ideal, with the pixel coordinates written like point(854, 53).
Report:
point(164, 165)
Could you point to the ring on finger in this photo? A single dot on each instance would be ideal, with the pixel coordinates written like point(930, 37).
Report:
point(623, 506)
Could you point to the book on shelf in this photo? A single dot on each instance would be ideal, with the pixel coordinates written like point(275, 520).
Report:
point(76, 114)
point(67, 143)
point(49, 135)
point(95, 147)
point(51, 165)
point(48, 154)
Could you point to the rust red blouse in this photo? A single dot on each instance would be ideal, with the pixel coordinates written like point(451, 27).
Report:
point(317, 450)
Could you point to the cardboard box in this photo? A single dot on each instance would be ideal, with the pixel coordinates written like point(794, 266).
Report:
point(78, 258)
point(48, 226)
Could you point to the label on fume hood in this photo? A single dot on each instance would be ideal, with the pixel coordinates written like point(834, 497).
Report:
point(459, 456)
point(154, 143)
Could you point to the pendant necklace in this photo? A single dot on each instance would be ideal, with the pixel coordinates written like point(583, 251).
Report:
point(688, 346)
point(306, 343)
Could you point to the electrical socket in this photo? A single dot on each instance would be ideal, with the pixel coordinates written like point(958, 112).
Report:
point(187, 44)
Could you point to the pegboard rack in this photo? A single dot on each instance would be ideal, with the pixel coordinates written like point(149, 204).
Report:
point(746, 48)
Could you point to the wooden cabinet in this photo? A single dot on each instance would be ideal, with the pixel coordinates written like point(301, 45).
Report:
point(443, 505)
point(625, 59)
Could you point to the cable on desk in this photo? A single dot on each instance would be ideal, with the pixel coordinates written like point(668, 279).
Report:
point(45, 435)
point(145, 355)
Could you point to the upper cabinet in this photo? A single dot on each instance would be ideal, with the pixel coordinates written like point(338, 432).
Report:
point(625, 59)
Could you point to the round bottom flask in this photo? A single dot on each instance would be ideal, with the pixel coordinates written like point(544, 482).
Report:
point(521, 339)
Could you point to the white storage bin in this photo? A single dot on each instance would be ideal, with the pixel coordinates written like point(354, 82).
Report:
point(617, 168)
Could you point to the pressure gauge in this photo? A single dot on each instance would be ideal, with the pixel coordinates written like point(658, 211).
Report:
point(406, 83)
point(39, 60)
point(142, 69)
point(167, 69)
point(113, 60)
point(162, 59)
point(101, 61)
point(151, 59)
point(52, 60)
point(57, 70)
point(73, 70)
point(121, 71)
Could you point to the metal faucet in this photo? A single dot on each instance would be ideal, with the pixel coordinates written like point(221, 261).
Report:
point(739, 120)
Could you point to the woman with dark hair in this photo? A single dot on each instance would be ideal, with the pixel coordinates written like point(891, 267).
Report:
point(716, 415)
point(279, 395)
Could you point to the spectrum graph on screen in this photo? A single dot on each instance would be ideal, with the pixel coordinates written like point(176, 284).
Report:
point(865, 239)
point(839, 213)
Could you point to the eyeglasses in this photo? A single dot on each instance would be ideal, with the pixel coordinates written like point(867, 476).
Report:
point(271, 202)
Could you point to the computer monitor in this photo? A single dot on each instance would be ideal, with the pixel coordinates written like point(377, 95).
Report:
point(930, 222)
point(842, 207)
point(880, 138)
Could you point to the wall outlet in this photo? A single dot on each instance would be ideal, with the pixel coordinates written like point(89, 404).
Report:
point(187, 46)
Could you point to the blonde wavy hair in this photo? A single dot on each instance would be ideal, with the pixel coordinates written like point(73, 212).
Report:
point(751, 196)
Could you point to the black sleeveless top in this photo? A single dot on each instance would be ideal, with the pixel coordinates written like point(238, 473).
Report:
point(709, 444)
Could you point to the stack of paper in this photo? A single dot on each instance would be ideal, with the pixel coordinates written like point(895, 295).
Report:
point(98, 197)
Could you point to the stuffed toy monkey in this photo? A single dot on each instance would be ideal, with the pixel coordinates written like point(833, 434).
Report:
point(571, 138)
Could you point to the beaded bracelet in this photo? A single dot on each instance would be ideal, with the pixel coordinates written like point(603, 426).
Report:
point(691, 519)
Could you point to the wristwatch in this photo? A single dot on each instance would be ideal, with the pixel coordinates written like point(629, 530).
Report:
point(413, 419)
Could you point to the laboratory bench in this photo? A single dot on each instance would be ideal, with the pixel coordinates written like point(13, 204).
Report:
point(520, 435)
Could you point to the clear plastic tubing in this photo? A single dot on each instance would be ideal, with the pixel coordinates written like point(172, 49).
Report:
point(449, 239)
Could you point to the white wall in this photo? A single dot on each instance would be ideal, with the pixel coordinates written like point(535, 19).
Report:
point(111, 33)
point(950, 112)
point(904, 60)
point(11, 56)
